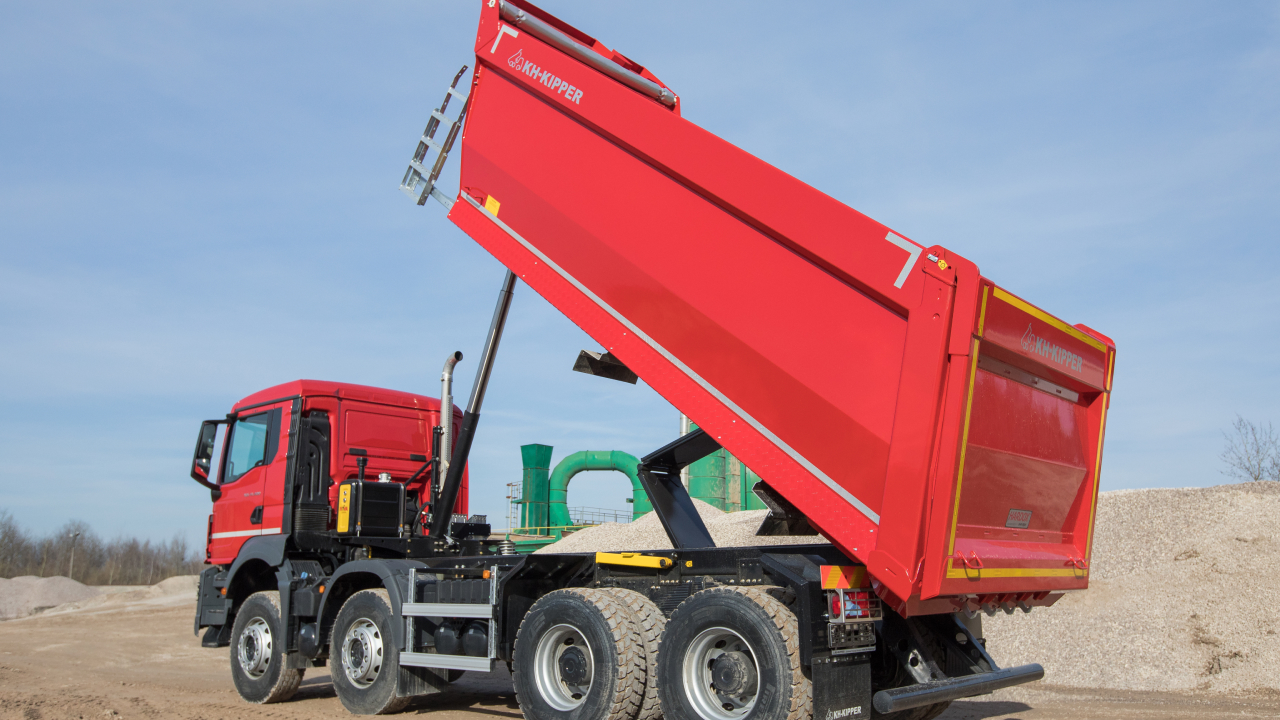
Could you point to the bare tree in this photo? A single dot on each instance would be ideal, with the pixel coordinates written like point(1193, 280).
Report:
point(1252, 452)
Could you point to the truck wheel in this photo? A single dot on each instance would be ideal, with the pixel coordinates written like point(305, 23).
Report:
point(579, 655)
point(364, 661)
point(257, 652)
point(732, 653)
point(651, 622)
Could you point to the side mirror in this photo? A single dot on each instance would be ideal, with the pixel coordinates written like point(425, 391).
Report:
point(203, 457)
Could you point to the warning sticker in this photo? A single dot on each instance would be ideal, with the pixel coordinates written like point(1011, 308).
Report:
point(1018, 519)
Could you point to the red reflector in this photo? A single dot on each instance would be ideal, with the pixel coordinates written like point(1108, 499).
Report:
point(836, 613)
point(855, 604)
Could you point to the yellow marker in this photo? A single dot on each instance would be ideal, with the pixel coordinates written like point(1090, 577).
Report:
point(942, 264)
point(842, 577)
point(492, 205)
point(344, 508)
point(688, 563)
point(633, 559)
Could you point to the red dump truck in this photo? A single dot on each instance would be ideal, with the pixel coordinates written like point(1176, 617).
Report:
point(942, 433)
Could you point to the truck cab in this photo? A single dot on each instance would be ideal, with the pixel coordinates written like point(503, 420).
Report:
point(287, 450)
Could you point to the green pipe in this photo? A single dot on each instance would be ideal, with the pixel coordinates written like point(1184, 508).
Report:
point(558, 511)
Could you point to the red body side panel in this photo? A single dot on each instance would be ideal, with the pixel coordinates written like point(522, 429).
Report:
point(836, 358)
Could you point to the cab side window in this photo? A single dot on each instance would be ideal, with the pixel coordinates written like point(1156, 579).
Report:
point(248, 445)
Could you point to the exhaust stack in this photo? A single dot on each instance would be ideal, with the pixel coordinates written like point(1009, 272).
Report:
point(446, 412)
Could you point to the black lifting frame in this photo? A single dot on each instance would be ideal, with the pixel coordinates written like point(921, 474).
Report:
point(660, 474)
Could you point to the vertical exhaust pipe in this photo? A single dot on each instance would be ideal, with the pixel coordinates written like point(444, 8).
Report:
point(441, 516)
point(446, 411)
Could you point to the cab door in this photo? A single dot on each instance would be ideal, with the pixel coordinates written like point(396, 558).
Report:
point(238, 514)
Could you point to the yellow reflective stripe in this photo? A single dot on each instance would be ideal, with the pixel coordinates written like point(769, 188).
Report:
point(985, 573)
point(633, 559)
point(964, 446)
point(1097, 472)
point(982, 316)
point(1111, 366)
point(1042, 315)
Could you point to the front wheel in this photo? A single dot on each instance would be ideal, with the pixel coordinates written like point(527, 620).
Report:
point(364, 660)
point(257, 652)
point(733, 653)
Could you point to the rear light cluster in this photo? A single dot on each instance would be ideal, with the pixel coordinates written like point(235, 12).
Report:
point(853, 605)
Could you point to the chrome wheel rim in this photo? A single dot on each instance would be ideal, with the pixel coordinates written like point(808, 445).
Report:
point(710, 654)
point(563, 667)
point(362, 653)
point(254, 648)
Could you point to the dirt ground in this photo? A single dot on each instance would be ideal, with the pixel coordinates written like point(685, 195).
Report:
point(141, 660)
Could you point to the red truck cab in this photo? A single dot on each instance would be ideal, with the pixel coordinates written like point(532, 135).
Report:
point(286, 450)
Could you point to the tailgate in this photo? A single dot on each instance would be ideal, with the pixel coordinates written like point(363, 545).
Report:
point(1025, 489)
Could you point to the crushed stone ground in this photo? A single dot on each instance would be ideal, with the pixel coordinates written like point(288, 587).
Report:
point(1184, 595)
point(736, 529)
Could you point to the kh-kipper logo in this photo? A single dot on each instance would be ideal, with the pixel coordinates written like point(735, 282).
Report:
point(1037, 345)
point(847, 712)
point(557, 85)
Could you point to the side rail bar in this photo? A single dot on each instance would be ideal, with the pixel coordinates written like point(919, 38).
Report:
point(566, 44)
point(937, 691)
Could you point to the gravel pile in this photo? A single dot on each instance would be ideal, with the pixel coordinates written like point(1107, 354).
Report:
point(735, 529)
point(1184, 595)
point(26, 595)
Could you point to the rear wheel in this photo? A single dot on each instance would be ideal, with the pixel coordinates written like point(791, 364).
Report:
point(364, 660)
point(733, 654)
point(651, 623)
point(579, 655)
point(257, 652)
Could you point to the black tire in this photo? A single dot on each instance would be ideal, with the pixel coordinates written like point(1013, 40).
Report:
point(258, 652)
point(364, 661)
point(716, 643)
point(651, 622)
point(579, 655)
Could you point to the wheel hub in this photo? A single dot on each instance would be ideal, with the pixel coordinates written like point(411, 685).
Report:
point(255, 647)
point(362, 653)
point(734, 674)
point(720, 675)
point(573, 666)
point(563, 667)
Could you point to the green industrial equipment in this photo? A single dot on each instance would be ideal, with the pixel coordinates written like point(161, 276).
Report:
point(720, 479)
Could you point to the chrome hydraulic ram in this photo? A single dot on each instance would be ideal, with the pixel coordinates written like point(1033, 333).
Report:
point(443, 513)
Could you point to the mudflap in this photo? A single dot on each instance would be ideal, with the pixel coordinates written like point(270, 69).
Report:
point(416, 681)
point(216, 636)
point(842, 687)
point(211, 604)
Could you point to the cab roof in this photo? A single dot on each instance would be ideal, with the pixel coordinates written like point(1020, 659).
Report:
point(346, 391)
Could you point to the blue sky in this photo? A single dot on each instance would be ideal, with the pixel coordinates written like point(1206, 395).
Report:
point(198, 200)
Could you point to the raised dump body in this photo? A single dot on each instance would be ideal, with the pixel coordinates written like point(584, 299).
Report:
point(930, 423)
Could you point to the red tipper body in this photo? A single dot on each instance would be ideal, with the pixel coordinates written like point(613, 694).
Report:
point(934, 426)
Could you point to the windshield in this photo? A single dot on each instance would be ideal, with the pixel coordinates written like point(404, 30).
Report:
point(248, 446)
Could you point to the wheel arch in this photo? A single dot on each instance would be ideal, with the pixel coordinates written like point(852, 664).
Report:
point(352, 577)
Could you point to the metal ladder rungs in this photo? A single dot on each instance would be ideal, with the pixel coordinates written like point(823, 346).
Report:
point(446, 662)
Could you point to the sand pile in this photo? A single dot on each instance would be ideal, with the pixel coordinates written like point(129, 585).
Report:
point(23, 596)
point(735, 529)
point(1184, 595)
